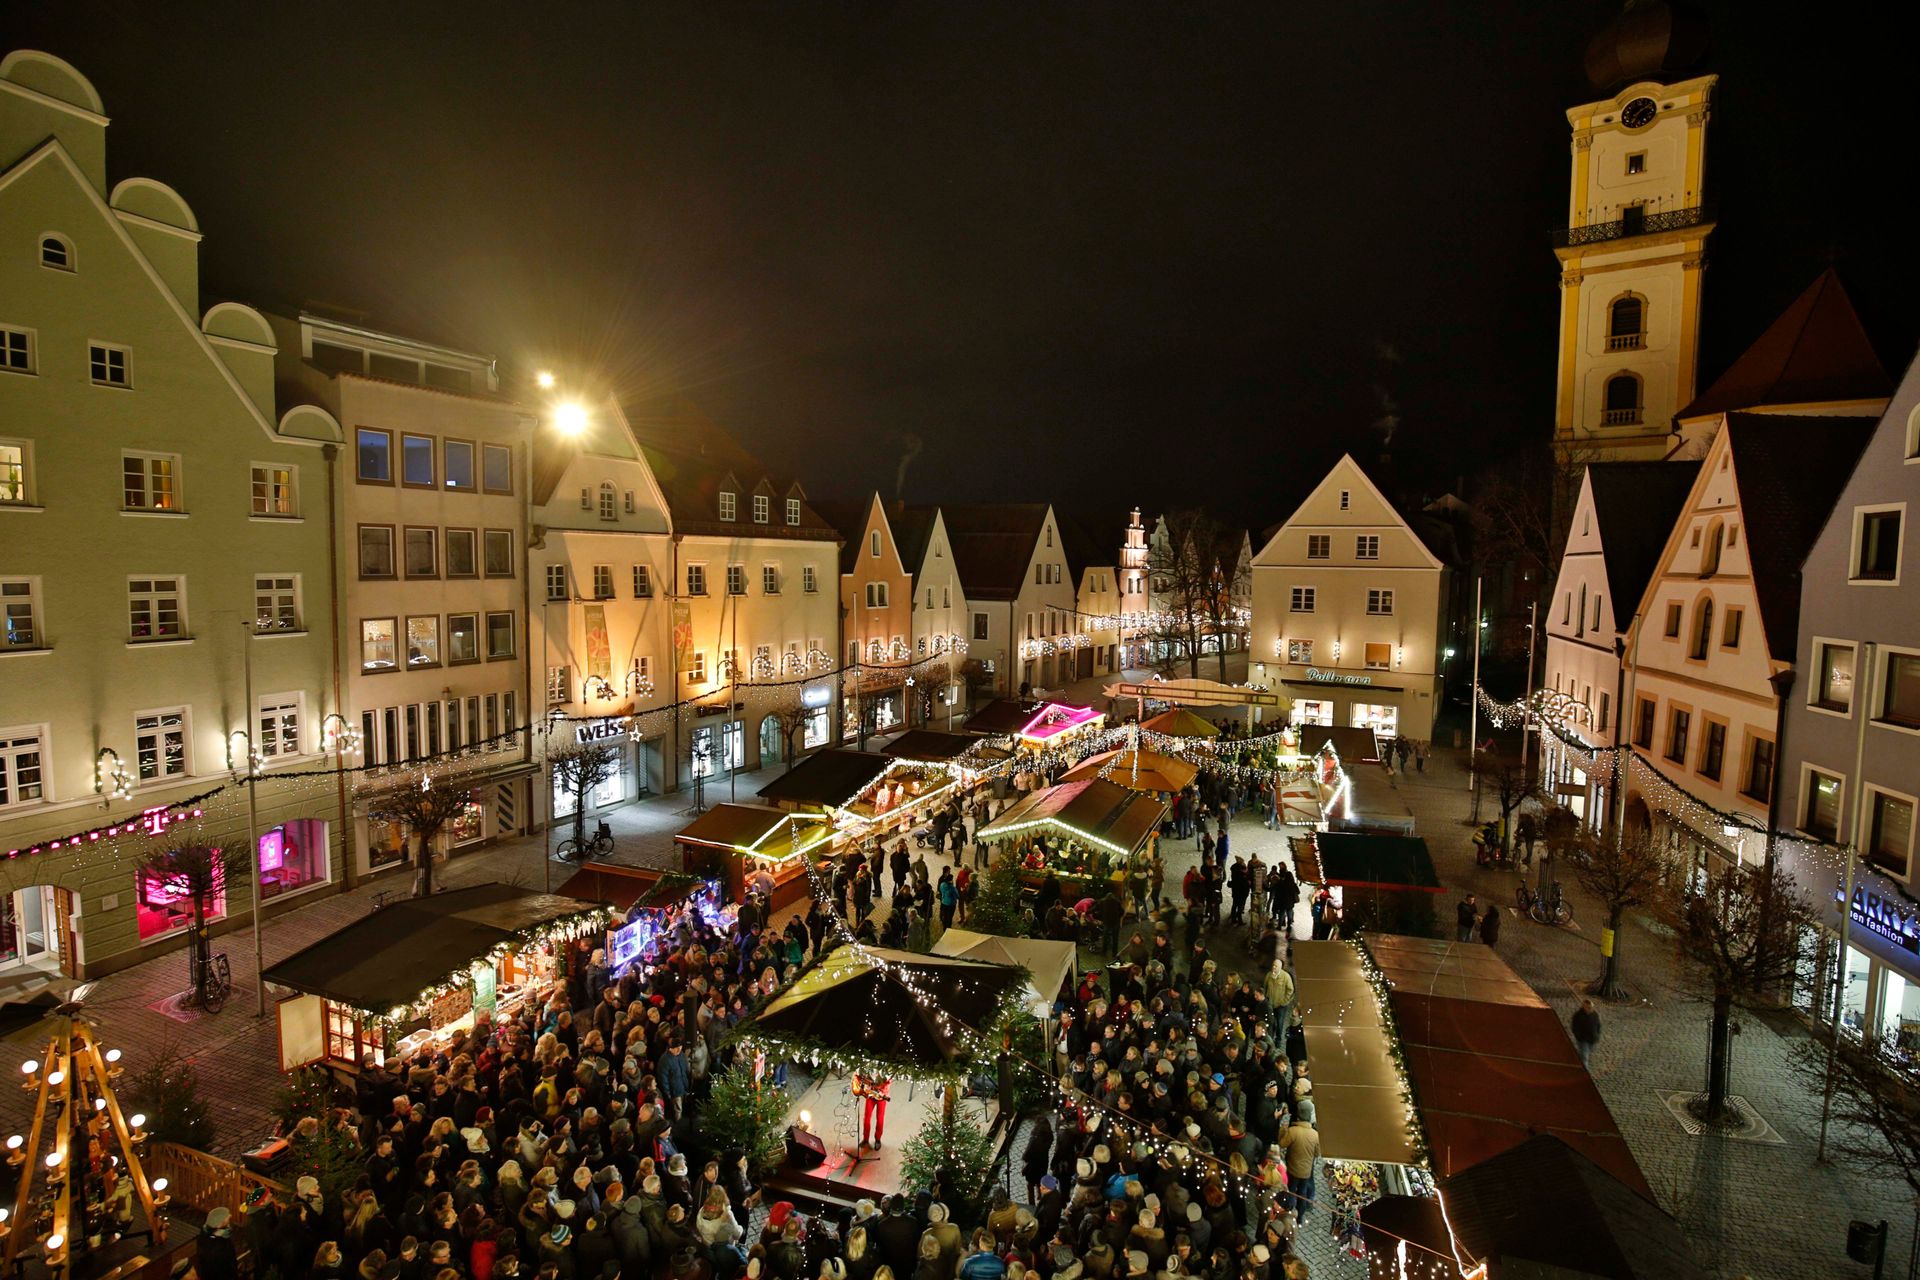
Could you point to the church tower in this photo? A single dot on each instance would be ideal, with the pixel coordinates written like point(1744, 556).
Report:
point(1634, 244)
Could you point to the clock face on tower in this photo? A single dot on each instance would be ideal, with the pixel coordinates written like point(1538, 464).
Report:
point(1639, 113)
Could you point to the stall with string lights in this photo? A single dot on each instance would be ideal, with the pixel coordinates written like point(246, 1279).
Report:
point(744, 845)
point(1091, 835)
point(422, 968)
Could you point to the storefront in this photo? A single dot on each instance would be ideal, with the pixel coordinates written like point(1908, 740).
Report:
point(494, 810)
point(1362, 700)
point(29, 930)
point(1317, 711)
point(738, 844)
point(637, 776)
point(1875, 981)
point(421, 969)
point(716, 747)
point(294, 857)
point(1381, 717)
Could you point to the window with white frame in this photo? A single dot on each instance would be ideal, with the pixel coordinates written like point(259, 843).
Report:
point(423, 641)
point(762, 508)
point(1346, 499)
point(877, 595)
point(499, 636)
point(873, 542)
point(16, 349)
point(1876, 543)
point(108, 365)
point(16, 472)
point(736, 579)
point(56, 252)
point(642, 582)
point(793, 511)
point(1319, 546)
point(556, 582)
point(461, 554)
point(1300, 600)
point(276, 602)
point(696, 579)
point(770, 579)
point(603, 582)
point(1379, 601)
point(1366, 546)
point(498, 545)
point(1300, 651)
point(156, 608)
point(278, 725)
point(609, 502)
point(559, 686)
point(809, 580)
point(463, 637)
point(20, 767)
point(273, 491)
point(728, 504)
point(150, 481)
point(20, 614)
point(160, 744)
point(697, 667)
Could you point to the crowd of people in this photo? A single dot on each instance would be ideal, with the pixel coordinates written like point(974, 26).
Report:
point(563, 1141)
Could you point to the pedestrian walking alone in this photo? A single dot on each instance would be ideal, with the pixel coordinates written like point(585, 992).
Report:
point(1465, 917)
point(1586, 1031)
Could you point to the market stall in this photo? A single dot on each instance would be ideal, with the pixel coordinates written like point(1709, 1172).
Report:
point(1050, 966)
point(1389, 878)
point(422, 968)
point(1091, 835)
point(1136, 770)
point(1034, 723)
point(738, 843)
point(1178, 722)
point(656, 916)
point(826, 780)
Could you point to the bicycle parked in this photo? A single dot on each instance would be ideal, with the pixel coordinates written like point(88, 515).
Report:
point(1548, 907)
point(600, 842)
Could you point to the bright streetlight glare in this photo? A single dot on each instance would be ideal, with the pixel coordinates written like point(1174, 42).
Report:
point(570, 418)
point(545, 379)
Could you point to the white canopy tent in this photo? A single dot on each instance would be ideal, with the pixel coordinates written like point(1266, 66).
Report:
point(1049, 965)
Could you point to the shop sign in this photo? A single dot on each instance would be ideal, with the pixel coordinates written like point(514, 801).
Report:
point(626, 943)
point(1879, 914)
point(1318, 676)
point(600, 730)
point(814, 696)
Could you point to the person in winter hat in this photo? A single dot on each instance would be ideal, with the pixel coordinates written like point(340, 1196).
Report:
point(946, 1236)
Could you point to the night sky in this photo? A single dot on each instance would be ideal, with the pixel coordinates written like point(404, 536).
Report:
point(1091, 253)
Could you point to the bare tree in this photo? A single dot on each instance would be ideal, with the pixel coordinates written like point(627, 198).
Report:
point(1739, 927)
point(1511, 783)
point(1228, 602)
point(422, 808)
point(974, 674)
point(1877, 1110)
point(1190, 590)
point(199, 873)
point(793, 725)
point(577, 770)
point(1624, 872)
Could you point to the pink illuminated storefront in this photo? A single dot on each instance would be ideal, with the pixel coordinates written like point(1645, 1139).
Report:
point(295, 856)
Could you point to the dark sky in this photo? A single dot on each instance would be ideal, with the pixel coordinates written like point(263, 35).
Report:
point(1085, 252)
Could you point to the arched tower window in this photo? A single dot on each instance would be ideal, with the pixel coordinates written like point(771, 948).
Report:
point(1702, 630)
point(1627, 323)
point(1623, 401)
point(1710, 553)
point(609, 503)
point(56, 251)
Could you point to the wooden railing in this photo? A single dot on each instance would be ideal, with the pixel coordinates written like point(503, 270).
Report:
point(200, 1183)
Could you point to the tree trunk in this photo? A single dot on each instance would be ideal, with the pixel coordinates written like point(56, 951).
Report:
point(423, 870)
point(1220, 656)
point(1609, 988)
point(580, 818)
point(198, 957)
point(1719, 1055)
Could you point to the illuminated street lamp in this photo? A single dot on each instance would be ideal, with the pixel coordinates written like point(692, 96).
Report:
point(570, 417)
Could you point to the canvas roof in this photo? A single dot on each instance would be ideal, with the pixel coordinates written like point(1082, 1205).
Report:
point(1096, 810)
point(1369, 860)
point(1136, 770)
point(1816, 352)
point(1178, 722)
point(734, 825)
point(833, 776)
point(1489, 1061)
point(610, 882)
point(1049, 964)
point(1636, 504)
point(387, 958)
point(849, 1005)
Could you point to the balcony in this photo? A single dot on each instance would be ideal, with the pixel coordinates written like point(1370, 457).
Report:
point(1626, 341)
point(1619, 417)
point(1634, 221)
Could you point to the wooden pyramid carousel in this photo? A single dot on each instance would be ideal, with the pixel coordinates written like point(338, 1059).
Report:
point(78, 1164)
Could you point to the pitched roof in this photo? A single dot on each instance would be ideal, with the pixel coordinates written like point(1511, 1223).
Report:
point(691, 457)
point(833, 776)
point(912, 531)
point(849, 517)
point(993, 544)
point(1091, 539)
point(1636, 504)
point(1787, 491)
point(1816, 352)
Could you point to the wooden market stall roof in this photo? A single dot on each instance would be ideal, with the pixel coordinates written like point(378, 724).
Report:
point(384, 960)
point(1137, 770)
point(831, 777)
point(1095, 811)
point(1351, 745)
point(1488, 1059)
point(933, 746)
point(1356, 1086)
point(755, 828)
point(1003, 716)
point(1373, 861)
point(1178, 722)
point(613, 883)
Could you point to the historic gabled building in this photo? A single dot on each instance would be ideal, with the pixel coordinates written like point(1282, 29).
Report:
point(941, 619)
point(1634, 245)
point(1718, 623)
point(164, 562)
point(1347, 606)
point(1850, 772)
point(1136, 594)
point(1619, 526)
point(876, 619)
point(1019, 593)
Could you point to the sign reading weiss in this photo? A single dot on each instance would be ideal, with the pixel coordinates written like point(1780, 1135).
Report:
point(1318, 676)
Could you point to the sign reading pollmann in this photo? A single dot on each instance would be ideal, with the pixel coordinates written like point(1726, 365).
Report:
point(1318, 676)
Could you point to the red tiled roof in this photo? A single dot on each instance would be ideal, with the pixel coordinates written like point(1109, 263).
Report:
point(1816, 352)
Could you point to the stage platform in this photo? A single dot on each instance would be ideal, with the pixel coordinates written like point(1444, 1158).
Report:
point(835, 1115)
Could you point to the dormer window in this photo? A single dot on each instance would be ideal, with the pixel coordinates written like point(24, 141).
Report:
point(728, 504)
point(761, 508)
point(56, 252)
point(793, 511)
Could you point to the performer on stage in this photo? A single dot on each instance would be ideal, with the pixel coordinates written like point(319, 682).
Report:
point(872, 1091)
